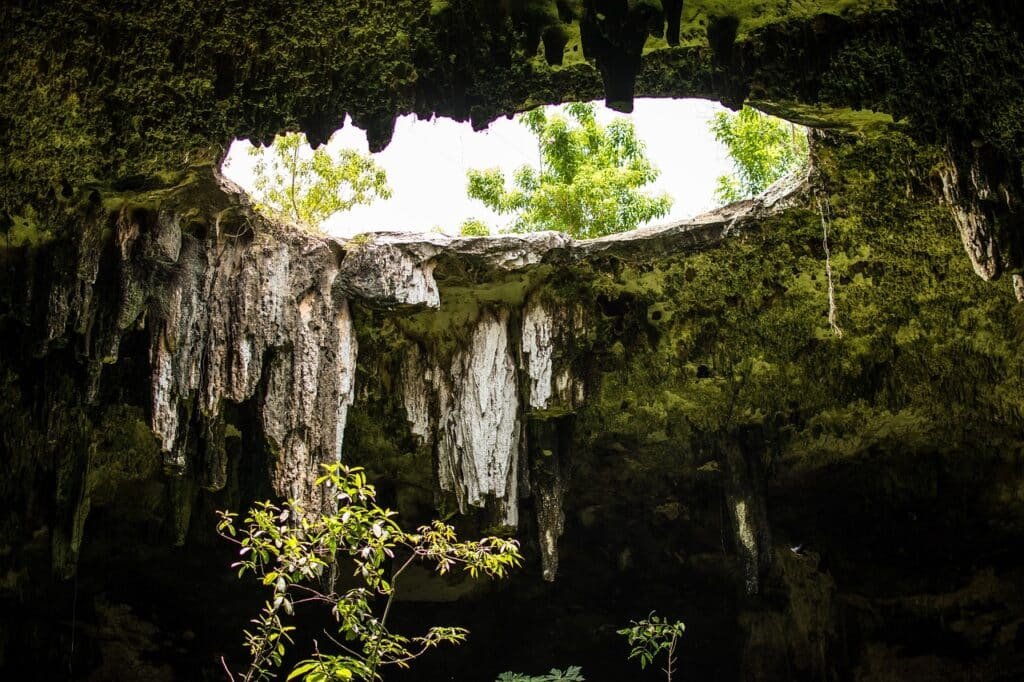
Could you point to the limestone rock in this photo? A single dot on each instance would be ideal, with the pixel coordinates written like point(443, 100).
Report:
point(547, 330)
point(246, 312)
point(390, 271)
point(479, 430)
point(976, 229)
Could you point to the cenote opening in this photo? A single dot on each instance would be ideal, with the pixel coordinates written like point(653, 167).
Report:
point(685, 158)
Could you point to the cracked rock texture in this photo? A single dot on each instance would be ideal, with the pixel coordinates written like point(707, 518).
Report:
point(479, 429)
point(546, 331)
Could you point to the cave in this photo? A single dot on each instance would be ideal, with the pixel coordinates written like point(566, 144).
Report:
point(676, 420)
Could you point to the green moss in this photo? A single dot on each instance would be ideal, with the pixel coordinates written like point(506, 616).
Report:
point(26, 231)
point(358, 240)
point(754, 15)
point(926, 362)
point(832, 118)
point(125, 453)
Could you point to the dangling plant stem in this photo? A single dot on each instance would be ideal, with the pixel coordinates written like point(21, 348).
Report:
point(825, 210)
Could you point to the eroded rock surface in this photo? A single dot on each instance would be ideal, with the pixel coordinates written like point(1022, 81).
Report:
point(479, 428)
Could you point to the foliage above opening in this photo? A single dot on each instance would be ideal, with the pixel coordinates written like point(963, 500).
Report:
point(307, 186)
point(763, 149)
point(589, 182)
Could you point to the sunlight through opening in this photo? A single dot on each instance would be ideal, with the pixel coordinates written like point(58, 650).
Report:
point(427, 161)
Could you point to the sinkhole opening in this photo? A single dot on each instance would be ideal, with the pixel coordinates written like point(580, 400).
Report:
point(579, 168)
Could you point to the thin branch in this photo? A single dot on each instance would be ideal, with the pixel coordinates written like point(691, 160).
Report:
point(671, 657)
point(227, 671)
point(351, 652)
point(410, 657)
point(291, 193)
point(375, 660)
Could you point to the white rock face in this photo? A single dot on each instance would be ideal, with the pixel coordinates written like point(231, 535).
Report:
point(308, 396)
point(479, 427)
point(977, 231)
point(416, 393)
point(537, 352)
point(388, 273)
point(479, 433)
point(547, 330)
point(237, 314)
point(240, 310)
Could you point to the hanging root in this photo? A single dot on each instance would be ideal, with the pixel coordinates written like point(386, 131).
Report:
point(825, 210)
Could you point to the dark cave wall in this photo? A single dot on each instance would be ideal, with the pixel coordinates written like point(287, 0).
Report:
point(888, 457)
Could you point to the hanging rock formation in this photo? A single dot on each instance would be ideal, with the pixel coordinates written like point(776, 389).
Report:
point(547, 331)
point(479, 429)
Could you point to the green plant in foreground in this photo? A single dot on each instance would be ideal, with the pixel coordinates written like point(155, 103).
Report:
point(570, 674)
point(294, 554)
point(652, 636)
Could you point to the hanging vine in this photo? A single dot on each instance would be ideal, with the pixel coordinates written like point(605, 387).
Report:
point(825, 211)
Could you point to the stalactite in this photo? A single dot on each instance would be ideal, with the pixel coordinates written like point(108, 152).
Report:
point(241, 312)
point(538, 348)
point(478, 437)
point(745, 498)
point(548, 451)
point(981, 190)
point(1018, 288)
point(547, 331)
point(416, 393)
point(469, 405)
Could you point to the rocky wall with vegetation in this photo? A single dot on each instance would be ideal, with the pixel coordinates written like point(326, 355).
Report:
point(101, 97)
point(726, 429)
point(669, 419)
point(666, 418)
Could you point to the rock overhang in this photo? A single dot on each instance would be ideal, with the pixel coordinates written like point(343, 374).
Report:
point(107, 100)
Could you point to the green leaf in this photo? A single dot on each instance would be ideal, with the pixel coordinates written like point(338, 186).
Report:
point(301, 669)
point(763, 149)
point(293, 548)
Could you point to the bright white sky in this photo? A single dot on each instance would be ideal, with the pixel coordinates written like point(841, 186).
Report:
point(426, 165)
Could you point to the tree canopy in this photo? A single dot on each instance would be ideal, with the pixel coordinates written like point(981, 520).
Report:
point(308, 186)
point(763, 149)
point(589, 181)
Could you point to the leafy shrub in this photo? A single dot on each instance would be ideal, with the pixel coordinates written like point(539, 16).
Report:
point(307, 186)
point(474, 227)
point(295, 553)
point(762, 148)
point(652, 636)
point(589, 182)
